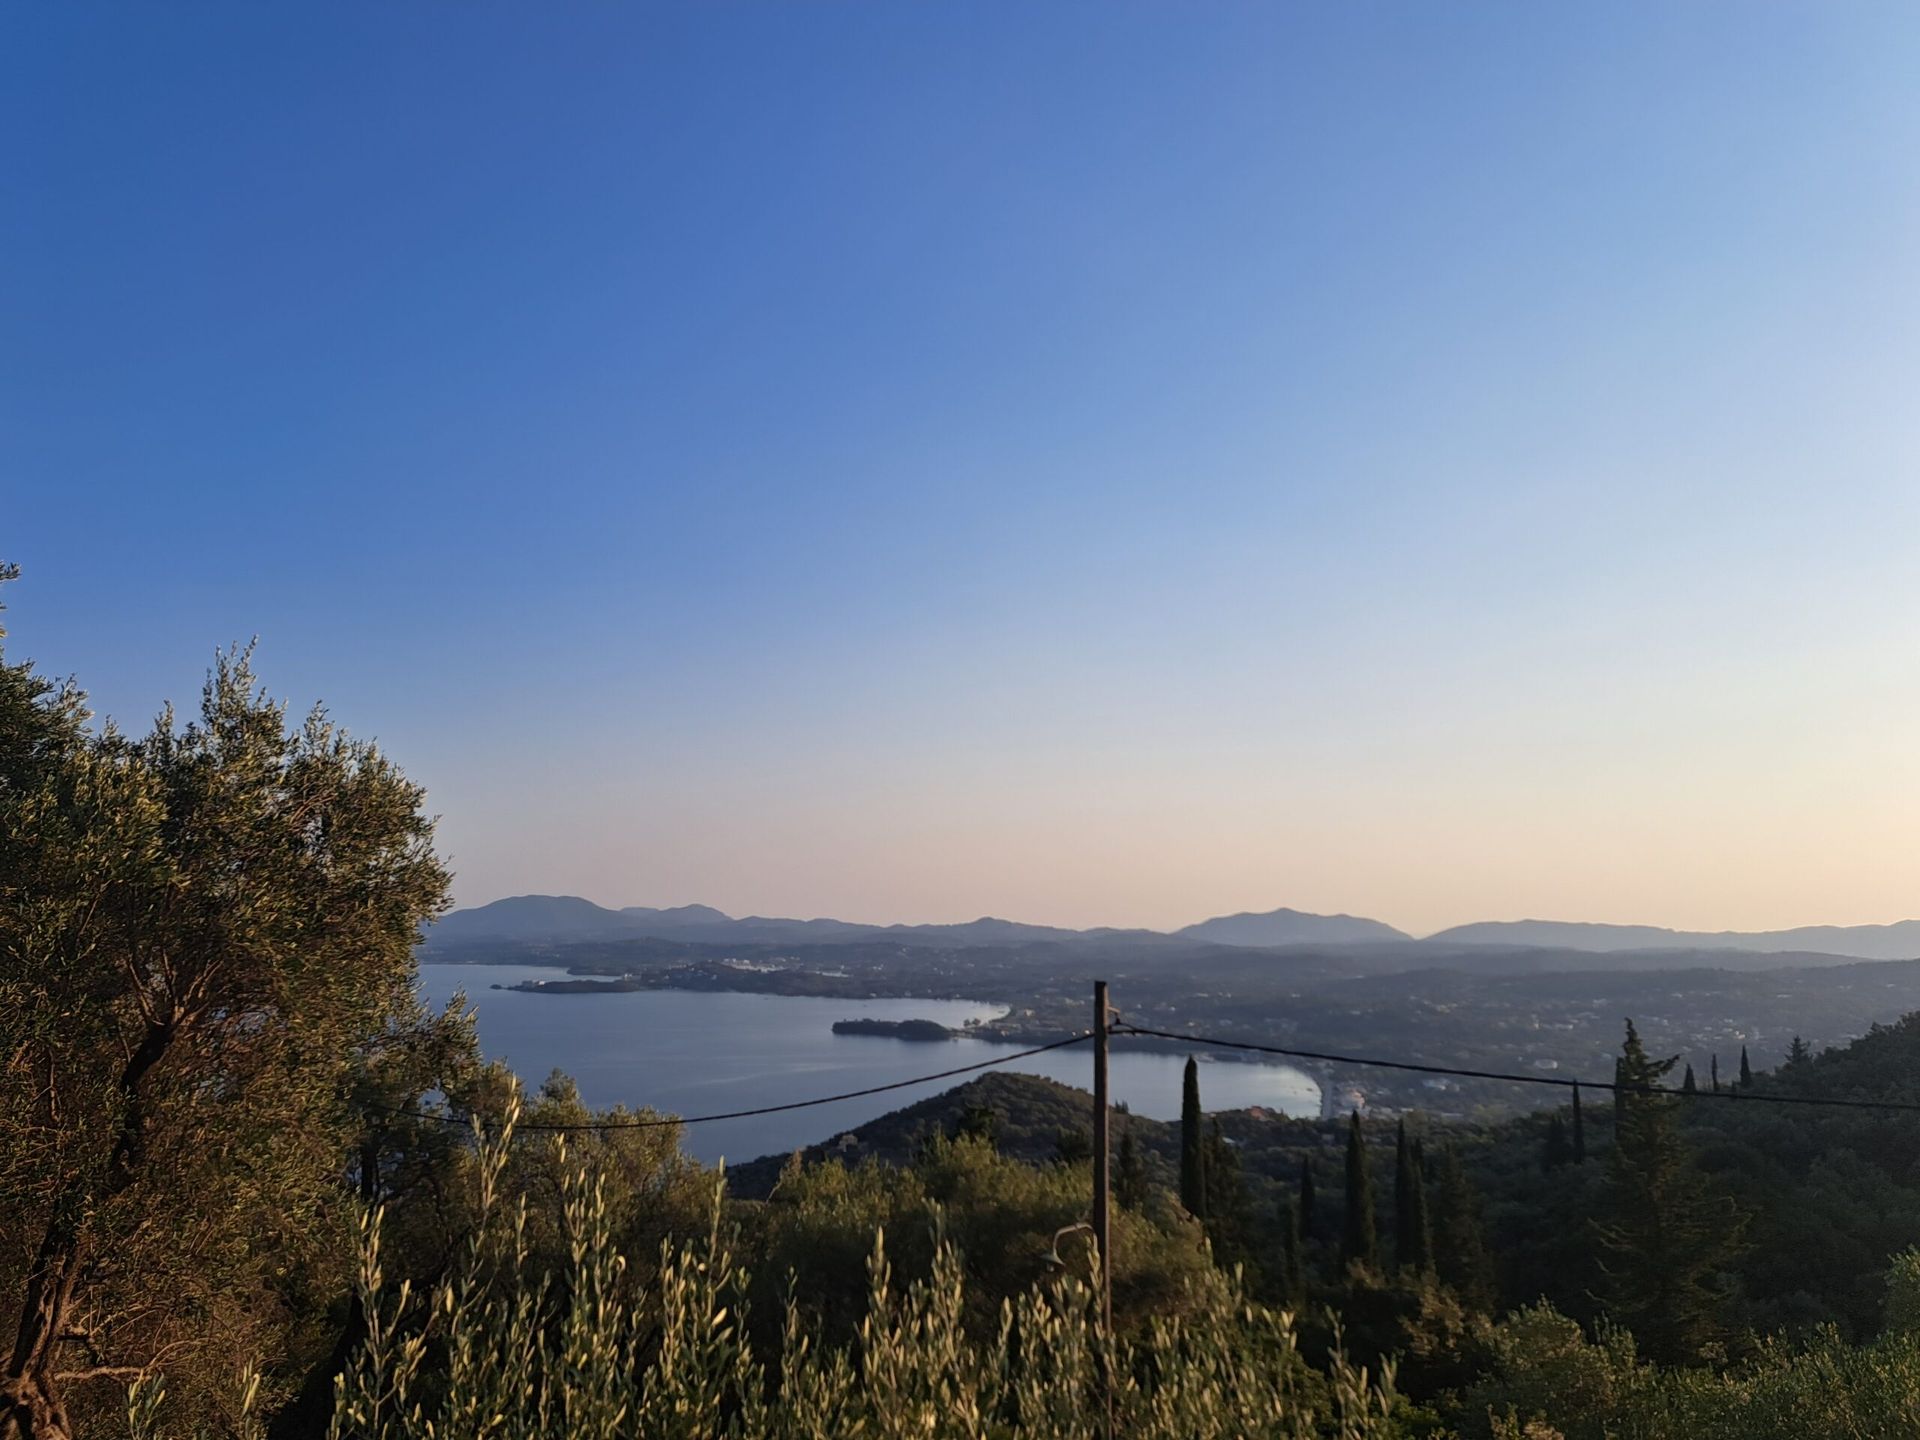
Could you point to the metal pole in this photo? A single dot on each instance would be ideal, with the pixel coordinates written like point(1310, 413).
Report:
point(1102, 1193)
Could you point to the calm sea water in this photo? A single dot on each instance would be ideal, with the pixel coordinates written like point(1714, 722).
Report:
point(695, 1052)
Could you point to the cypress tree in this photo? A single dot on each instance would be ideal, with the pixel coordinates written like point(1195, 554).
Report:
point(1292, 1272)
point(1579, 1131)
point(1193, 1155)
point(1227, 1217)
point(1413, 1231)
point(1308, 1204)
point(1402, 1192)
point(1713, 1070)
point(1459, 1241)
point(1358, 1240)
point(1687, 1087)
point(1556, 1152)
point(1663, 1239)
point(1746, 1070)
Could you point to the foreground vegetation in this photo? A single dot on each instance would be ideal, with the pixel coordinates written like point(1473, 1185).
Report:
point(499, 1348)
point(249, 1188)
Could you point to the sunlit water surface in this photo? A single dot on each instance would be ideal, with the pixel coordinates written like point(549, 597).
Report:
point(694, 1052)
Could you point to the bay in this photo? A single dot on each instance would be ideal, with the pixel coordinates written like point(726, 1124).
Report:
point(694, 1052)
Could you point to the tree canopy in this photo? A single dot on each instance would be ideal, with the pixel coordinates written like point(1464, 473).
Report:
point(205, 932)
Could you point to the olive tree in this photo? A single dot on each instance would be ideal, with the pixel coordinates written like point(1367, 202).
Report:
point(202, 933)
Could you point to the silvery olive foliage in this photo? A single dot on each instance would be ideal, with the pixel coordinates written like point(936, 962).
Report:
point(492, 1355)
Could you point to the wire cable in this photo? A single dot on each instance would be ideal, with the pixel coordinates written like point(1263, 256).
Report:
point(596, 1125)
point(1742, 1097)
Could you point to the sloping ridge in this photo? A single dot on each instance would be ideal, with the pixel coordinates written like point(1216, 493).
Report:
point(1899, 941)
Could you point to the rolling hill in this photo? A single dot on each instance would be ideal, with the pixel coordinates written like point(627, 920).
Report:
point(1900, 941)
point(1290, 927)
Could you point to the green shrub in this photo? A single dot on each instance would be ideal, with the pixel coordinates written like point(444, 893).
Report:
point(1549, 1380)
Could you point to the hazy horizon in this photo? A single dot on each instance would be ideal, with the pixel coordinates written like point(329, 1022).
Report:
point(1089, 465)
point(1416, 932)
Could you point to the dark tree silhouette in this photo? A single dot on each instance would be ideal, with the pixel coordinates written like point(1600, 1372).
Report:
point(1663, 1237)
point(1193, 1152)
point(1556, 1151)
point(1293, 1283)
point(1227, 1217)
point(1358, 1238)
point(1459, 1240)
point(1412, 1232)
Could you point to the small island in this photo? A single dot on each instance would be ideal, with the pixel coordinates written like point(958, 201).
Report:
point(898, 1029)
point(580, 985)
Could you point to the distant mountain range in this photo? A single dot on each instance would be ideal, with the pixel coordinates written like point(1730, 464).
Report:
point(568, 919)
point(1900, 941)
point(564, 919)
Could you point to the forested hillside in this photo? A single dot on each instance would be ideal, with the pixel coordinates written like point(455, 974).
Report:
point(1822, 1197)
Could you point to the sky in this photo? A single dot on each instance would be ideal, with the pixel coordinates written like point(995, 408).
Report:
point(1086, 463)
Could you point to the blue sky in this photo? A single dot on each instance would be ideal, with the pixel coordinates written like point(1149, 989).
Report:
point(1095, 463)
